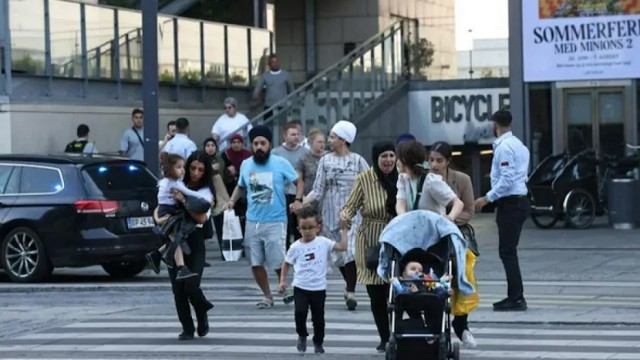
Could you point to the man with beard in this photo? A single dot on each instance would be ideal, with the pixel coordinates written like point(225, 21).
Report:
point(263, 179)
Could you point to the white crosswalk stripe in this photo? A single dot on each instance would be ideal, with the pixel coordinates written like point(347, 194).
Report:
point(271, 334)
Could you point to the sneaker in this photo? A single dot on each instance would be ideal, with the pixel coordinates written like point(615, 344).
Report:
point(302, 344)
point(501, 302)
point(467, 340)
point(351, 301)
point(318, 349)
point(512, 305)
point(287, 297)
point(153, 260)
point(184, 273)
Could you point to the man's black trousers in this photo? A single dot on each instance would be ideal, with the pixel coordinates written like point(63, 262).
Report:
point(512, 211)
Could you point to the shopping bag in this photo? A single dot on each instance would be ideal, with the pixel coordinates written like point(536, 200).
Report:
point(231, 236)
point(464, 304)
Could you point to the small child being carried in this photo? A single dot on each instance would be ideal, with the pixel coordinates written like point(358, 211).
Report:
point(173, 170)
point(309, 257)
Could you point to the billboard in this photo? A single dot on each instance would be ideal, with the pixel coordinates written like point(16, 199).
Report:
point(580, 39)
point(456, 116)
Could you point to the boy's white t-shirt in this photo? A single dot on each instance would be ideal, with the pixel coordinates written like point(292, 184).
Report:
point(310, 262)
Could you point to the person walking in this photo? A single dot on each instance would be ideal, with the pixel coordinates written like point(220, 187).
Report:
point(374, 195)
point(336, 174)
point(420, 189)
point(263, 179)
point(275, 85)
point(307, 166)
point(509, 169)
point(292, 151)
point(439, 160)
point(210, 146)
point(229, 123)
point(188, 293)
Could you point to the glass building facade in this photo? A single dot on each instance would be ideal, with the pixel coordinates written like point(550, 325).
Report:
point(65, 39)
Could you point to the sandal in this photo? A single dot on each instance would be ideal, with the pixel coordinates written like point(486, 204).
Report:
point(264, 303)
point(287, 297)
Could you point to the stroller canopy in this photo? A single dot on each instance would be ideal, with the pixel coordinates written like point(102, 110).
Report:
point(423, 229)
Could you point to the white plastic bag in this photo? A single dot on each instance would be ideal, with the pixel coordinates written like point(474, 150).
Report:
point(231, 236)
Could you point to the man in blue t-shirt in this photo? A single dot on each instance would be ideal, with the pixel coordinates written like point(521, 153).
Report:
point(263, 179)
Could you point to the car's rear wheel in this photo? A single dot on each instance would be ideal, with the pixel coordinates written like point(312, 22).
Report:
point(24, 258)
point(124, 269)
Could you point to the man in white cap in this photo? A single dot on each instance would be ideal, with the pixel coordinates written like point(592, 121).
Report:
point(335, 177)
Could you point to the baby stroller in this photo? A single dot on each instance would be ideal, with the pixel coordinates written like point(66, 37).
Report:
point(427, 331)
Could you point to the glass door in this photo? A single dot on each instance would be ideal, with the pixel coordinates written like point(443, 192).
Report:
point(580, 119)
point(610, 119)
point(595, 119)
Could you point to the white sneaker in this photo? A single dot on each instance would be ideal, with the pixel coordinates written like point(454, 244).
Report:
point(467, 340)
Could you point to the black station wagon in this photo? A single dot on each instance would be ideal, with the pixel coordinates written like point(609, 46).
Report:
point(75, 210)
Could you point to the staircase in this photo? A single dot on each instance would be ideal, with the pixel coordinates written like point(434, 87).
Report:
point(351, 86)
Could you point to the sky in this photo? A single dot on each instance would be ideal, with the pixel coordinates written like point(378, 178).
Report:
point(486, 18)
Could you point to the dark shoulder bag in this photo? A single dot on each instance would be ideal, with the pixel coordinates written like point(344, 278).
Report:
point(138, 135)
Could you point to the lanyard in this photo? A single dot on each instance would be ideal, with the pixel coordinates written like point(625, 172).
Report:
point(411, 192)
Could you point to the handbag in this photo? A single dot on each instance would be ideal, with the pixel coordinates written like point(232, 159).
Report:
point(371, 255)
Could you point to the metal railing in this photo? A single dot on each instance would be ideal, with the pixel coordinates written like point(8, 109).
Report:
point(65, 39)
point(345, 90)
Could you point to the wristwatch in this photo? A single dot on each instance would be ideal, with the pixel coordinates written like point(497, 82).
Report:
point(299, 199)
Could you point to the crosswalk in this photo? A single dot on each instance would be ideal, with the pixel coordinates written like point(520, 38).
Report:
point(239, 331)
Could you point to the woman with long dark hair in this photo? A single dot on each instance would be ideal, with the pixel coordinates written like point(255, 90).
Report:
point(439, 163)
point(210, 146)
point(420, 189)
point(374, 195)
point(198, 177)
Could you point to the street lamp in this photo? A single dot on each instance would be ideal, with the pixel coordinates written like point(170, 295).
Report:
point(471, 57)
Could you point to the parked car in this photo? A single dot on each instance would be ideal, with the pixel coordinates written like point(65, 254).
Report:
point(75, 210)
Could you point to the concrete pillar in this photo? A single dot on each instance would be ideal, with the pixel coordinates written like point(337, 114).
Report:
point(150, 83)
point(310, 37)
point(5, 49)
point(516, 73)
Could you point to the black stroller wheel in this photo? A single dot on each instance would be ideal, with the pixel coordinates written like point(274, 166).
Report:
point(455, 351)
point(443, 348)
point(390, 349)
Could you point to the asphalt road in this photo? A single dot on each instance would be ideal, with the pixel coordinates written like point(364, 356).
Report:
point(581, 287)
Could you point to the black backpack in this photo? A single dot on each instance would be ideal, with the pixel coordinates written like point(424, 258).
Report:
point(76, 146)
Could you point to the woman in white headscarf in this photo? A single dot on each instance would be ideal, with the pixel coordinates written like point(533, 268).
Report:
point(335, 177)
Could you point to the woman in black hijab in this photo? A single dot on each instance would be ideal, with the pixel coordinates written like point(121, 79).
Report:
point(374, 195)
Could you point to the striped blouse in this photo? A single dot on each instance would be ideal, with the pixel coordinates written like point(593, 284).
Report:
point(369, 197)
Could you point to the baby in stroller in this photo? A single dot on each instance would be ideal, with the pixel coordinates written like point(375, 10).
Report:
point(425, 299)
point(413, 280)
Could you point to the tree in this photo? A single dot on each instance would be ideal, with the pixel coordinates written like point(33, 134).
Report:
point(421, 56)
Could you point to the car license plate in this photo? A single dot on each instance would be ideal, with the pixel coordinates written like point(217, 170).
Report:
point(140, 222)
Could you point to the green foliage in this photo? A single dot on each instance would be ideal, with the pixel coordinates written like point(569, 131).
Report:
point(421, 56)
point(28, 65)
